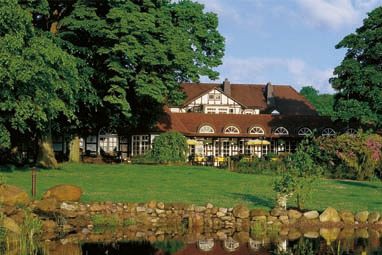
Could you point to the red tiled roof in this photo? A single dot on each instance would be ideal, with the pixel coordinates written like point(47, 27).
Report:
point(288, 100)
point(189, 123)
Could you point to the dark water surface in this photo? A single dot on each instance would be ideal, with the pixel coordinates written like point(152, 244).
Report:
point(302, 246)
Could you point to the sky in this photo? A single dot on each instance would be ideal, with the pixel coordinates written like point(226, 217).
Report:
point(285, 41)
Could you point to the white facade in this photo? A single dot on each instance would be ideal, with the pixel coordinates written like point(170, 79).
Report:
point(215, 102)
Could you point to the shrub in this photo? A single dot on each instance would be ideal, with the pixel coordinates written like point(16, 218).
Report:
point(170, 147)
point(351, 156)
point(259, 166)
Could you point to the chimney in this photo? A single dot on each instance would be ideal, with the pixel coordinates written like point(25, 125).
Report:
point(227, 87)
point(269, 95)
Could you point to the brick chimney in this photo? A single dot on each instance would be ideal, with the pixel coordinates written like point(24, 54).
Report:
point(227, 87)
point(269, 95)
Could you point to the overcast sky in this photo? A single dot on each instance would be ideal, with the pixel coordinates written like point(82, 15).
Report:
point(285, 41)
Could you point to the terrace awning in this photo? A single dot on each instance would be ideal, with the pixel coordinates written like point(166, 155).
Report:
point(258, 142)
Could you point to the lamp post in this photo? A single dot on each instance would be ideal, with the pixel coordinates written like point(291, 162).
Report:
point(34, 181)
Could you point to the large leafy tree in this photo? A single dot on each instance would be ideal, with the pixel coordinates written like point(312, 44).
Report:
point(41, 85)
point(322, 102)
point(141, 50)
point(358, 79)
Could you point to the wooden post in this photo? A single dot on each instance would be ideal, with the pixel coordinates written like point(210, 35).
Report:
point(34, 181)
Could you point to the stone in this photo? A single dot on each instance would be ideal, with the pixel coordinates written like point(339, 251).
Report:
point(294, 234)
point(209, 206)
point(284, 219)
point(220, 214)
point(260, 218)
point(160, 205)
point(68, 207)
point(330, 215)
point(346, 233)
point(362, 233)
point(347, 217)
point(141, 209)
point(152, 204)
point(221, 235)
point(223, 210)
point(294, 214)
point(241, 211)
point(49, 225)
point(362, 217)
point(12, 196)
point(64, 192)
point(258, 212)
point(278, 212)
point(47, 205)
point(330, 234)
point(312, 234)
point(11, 225)
point(311, 215)
point(241, 237)
point(200, 208)
point(373, 217)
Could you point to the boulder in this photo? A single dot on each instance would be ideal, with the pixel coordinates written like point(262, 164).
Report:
point(330, 234)
point(347, 217)
point(10, 225)
point(362, 217)
point(294, 214)
point(47, 205)
point(61, 193)
point(311, 215)
point(12, 195)
point(278, 212)
point(241, 211)
point(373, 217)
point(259, 212)
point(330, 215)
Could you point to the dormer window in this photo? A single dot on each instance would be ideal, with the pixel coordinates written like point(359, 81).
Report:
point(328, 132)
point(231, 130)
point(256, 131)
point(275, 112)
point(305, 131)
point(281, 131)
point(206, 129)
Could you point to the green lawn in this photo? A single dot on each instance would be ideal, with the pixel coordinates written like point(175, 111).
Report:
point(199, 185)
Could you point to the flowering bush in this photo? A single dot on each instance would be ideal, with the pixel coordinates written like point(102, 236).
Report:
point(351, 156)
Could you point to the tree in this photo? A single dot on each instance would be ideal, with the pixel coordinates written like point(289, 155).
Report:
point(141, 51)
point(41, 85)
point(170, 147)
point(358, 79)
point(322, 102)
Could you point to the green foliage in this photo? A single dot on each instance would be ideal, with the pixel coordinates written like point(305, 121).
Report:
point(169, 246)
point(301, 173)
point(169, 147)
point(141, 51)
point(40, 82)
point(351, 156)
point(322, 102)
point(358, 79)
point(259, 166)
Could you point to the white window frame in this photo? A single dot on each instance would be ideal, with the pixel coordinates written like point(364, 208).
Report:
point(232, 130)
point(206, 129)
point(281, 131)
point(351, 131)
point(304, 131)
point(256, 131)
point(328, 132)
point(140, 144)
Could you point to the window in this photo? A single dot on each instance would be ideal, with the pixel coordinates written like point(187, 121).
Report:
point(304, 131)
point(206, 130)
point(256, 131)
point(328, 132)
point(214, 97)
point(211, 110)
point(281, 131)
point(141, 144)
point(223, 110)
point(108, 140)
point(231, 130)
point(351, 131)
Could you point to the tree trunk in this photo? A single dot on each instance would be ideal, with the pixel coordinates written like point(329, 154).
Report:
point(74, 149)
point(46, 156)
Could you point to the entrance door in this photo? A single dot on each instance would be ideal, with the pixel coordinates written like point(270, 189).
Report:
point(108, 140)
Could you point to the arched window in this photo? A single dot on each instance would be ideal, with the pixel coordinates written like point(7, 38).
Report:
point(328, 132)
point(206, 129)
point(231, 130)
point(281, 131)
point(304, 131)
point(256, 131)
point(351, 131)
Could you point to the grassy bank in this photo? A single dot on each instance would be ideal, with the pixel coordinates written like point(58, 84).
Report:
point(199, 185)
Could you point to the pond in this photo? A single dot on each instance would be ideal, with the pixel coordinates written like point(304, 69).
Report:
point(325, 241)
